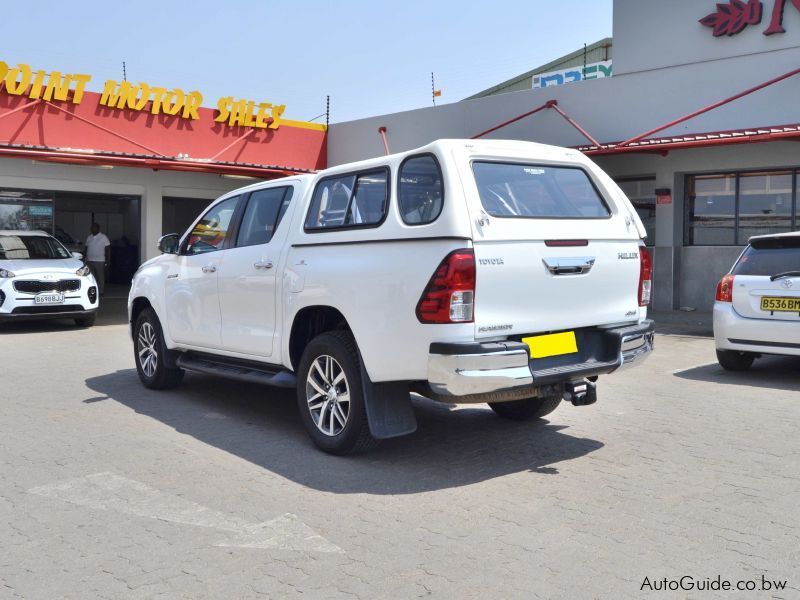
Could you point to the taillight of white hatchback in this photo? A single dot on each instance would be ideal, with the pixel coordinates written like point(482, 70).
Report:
point(450, 294)
point(725, 289)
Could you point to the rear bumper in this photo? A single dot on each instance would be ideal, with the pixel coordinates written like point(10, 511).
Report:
point(465, 369)
point(762, 336)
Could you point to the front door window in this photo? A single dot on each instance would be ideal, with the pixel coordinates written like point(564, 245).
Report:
point(211, 231)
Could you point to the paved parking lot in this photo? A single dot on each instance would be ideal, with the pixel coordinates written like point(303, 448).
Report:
point(108, 490)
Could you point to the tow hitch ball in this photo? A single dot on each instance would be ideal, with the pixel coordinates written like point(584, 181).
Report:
point(580, 393)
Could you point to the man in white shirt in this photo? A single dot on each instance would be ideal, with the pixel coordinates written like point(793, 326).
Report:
point(98, 256)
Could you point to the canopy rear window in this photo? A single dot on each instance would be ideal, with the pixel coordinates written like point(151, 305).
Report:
point(31, 247)
point(537, 192)
point(770, 257)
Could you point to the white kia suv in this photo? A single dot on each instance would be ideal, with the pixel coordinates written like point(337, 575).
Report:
point(757, 308)
point(41, 279)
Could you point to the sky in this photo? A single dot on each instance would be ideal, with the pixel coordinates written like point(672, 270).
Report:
point(372, 57)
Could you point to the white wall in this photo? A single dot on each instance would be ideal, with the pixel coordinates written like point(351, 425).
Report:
point(653, 34)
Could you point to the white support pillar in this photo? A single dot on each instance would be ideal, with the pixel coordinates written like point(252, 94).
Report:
point(665, 213)
point(668, 219)
point(151, 220)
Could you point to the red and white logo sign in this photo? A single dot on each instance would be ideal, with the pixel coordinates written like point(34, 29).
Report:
point(733, 17)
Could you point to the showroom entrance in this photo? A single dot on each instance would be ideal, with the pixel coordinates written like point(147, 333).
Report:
point(69, 215)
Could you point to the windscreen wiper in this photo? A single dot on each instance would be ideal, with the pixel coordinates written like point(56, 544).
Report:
point(785, 274)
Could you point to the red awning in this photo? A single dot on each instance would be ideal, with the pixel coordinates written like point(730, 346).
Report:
point(92, 134)
point(699, 140)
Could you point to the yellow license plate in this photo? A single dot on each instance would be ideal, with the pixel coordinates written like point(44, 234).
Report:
point(554, 344)
point(773, 304)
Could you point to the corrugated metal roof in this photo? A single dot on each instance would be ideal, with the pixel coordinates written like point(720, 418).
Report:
point(596, 52)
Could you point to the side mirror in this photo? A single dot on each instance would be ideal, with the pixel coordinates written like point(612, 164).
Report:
point(77, 255)
point(168, 244)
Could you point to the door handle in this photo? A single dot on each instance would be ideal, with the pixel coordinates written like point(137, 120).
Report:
point(577, 265)
point(209, 269)
point(264, 264)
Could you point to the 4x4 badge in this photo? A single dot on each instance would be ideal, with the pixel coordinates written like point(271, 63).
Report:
point(787, 283)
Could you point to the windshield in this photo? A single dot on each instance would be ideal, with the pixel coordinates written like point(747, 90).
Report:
point(31, 247)
point(770, 257)
point(539, 192)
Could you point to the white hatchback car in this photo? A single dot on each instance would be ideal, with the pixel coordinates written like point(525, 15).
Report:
point(41, 279)
point(757, 308)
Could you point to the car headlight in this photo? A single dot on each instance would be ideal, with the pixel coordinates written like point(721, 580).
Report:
point(83, 271)
point(4, 274)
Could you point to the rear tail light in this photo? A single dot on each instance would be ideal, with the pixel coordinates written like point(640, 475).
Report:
point(645, 276)
point(725, 289)
point(450, 294)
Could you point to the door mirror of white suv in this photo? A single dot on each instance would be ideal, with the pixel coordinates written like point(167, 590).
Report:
point(77, 255)
point(168, 244)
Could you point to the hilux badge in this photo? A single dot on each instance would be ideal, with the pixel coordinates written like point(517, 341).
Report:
point(627, 255)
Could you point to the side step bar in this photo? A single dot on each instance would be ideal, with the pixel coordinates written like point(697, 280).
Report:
point(233, 369)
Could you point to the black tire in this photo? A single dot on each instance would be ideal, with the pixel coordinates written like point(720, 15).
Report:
point(162, 377)
point(731, 360)
point(528, 409)
point(354, 435)
point(86, 321)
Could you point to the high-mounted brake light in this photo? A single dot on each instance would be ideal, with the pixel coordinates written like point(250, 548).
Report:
point(645, 276)
point(725, 289)
point(450, 294)
point(565, 243)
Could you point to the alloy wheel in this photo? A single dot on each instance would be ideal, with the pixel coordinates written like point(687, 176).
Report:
point(328, 395)
point(148, 355)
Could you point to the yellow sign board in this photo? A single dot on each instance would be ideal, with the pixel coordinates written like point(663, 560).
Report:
point(22, 80)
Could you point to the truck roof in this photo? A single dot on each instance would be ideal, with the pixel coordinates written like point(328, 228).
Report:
point(513, 148)
point(543, 151)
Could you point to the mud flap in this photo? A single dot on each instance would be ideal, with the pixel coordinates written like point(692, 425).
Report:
point(389, 409)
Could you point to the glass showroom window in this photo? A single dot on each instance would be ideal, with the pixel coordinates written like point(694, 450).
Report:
point(711, 206)
point(765, 204)
point(642, 194)
point(727, 209)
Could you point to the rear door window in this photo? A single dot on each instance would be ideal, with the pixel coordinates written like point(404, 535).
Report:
point(263, 214)
point(420, 190)
point(349, 201)
point(537, 192)
point(770, 257)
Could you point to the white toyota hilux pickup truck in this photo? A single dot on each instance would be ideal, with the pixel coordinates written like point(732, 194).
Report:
point(504, 272)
